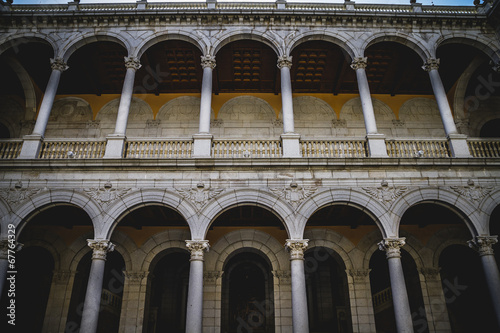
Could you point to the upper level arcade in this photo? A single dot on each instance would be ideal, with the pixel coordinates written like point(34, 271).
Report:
point(252, 80)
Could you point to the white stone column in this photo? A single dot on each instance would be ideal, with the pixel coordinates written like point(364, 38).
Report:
point(458, 142)
point(116, 141)
point(363, 317)
point(203, 140)
point(194, 314)
point(290, 140)
point(92, 302)
point(300, 317)
point(32, 143)
point(376, 141)
point(484, 246)
point(402, 311)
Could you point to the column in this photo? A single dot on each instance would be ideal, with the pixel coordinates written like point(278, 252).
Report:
point(300, 318)
point(32, 143)
point(92, 302)
point(363, 318)
point(116, 141)
point(290, 140)
point(434, 298)
point(458, 142)
point(134, 302)
point(402, 311)
point(484, 246)
point(58, 302)
point(376, 141)
point(194, 314)
point(203, 140)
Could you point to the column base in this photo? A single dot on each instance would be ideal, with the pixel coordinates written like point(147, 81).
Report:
point(202, 145)
point(291, 145)
point(115, 146)
point(376, 145)
point(31, 146)
point(458, 145)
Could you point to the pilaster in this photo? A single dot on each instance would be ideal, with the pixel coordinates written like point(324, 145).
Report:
point(363, 318)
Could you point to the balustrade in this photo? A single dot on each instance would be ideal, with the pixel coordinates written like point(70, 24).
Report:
point(418, 148)
point(55, 149)
point(158, 148)
point(246, 148)
point(330, 148)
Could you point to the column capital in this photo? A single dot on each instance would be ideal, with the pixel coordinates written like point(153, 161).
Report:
point(135, 277)
point(197, 247)
point(296, 248)
point(495, 66)
point(100, 248)
point(284, 61)
point(430, 64)
point(62, 277)
point(483, 244)
point(392, 247)
point(359, 275)
point(430, 273)
point(208, 61)
point(359, 62)
point(132, 63)
point(58, 64)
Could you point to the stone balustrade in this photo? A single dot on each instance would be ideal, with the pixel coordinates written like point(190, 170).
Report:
point(68, 148)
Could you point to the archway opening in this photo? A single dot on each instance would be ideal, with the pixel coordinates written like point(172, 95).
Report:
point(465, 291)
point(490, 129)
point(4, 132)
point(167, 297)
point(327, 292)
point(247, 293)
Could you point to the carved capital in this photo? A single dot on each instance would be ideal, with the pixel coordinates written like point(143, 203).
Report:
point(133, 277)
point(211, 276)
point(197, 247)
point(132, 63)
point(430, 273)
point(359, 275)
point(483, 244)
point(296, 247)
point(359, 62)
point(495, 66)
point(4, 248)
point(208, 61)
point(58, 64)
point(100, 248)
point(283, 276)
point(392, 247)
point(431, 64)
point(62, 277)
point(284, 61)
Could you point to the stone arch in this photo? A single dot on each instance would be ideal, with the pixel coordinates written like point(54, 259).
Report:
point(268, 245)
point(416, 44)
point(170, 35)
point(352, 114)
point(158, 243)
point(246, 33)
point(488, 205)
point(52, 243)
point(247, 108)
point(368, 246)
point(15, 40)
point(141, 198)
point(335, 241)
point(125, 246)
point(69, 118)
point(452, 200)
point(376, 210)
point(28, 87)
point(180, 116)
point(232, 198)
point(78, 249)
point(444, 238)
point(487, 46)
point(46, 199)
point(346, 44)
point(413, 246)
point(421, 118)
point(91, 37)
point(487, 112)
point(140, 114)
point(307, 108)
point(11, 115)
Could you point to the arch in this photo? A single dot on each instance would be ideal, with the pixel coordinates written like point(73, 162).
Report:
point(170, 35)
point(140, 113)
point(345, 44)
point(328, 238)
point(309, 108)
point(184, 108)
point(452, 200)
point(488, 205)
point(11, 115)
point(376, 210)
point(56, 250)
point(15, 40)
point(70, 109)
point(352, 113)
point(480, 117)
point(144, 197)
point(158, 243)
point(444, 238)
point(421, 117)
point(28, 87)
point(247, 108)
point(416, 44)
point(232, 198)
point(246, 238)
point(83, 39)
point(246, 33)
point(477, 41)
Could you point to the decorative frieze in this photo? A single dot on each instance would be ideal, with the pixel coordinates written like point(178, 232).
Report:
point(392, 247)
point(483, 244)
point(18, 194)
point(384, 193)
point(199, 195)
point(100, 248)
point(472, 192)
point(197, 248)
point(107, 194)
point(294, 194)
point(296, 247)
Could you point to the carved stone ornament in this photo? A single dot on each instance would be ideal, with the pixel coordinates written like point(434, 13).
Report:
point(283, 276)
point(294, 194)
point(100, 248)
point(277, 123)
point(483, 244)
point(211, 276)
point(199, 195)
point(430, 64)
point(197, 247)
point(93, 124)
point(208, 61)
point(358, 275)
point(18, 194)
point(429, 272)
point(296, 247)
point(495, 66)
point(284, 61)
point(392, 247)
point(216, 123)
point(135, 277)
point(339, 123)
point(132, 63)
point(384, 193)
point(106, 195)
point(359, 62)
point(58, 64)
point(152, 123)
point(62, 277)
point(472, 192)
point(398, 123)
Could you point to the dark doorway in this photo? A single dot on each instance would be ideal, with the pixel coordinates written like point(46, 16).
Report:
point(247, 295)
